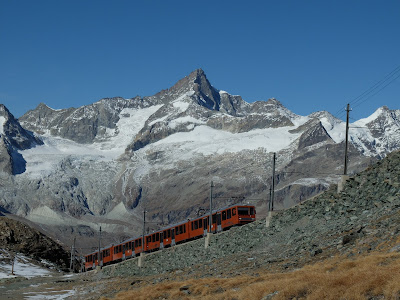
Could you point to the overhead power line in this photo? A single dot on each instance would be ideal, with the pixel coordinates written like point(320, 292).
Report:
point(372, 91)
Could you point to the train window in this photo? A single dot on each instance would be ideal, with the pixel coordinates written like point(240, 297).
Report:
point(136, 243)
point(148, 239)
point(205, 223)
point(200, 223)
point(153, 238)
point(195, 225)
point(184, 228)
point(228, 214)
point(214, 218)
point(243, 211)
point(123, 247)
point(233, 211)
point(119, 248)
point(252, 211)
point(157, 237)
point(224, 215)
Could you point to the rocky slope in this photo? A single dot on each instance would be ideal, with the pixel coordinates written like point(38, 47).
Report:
point(103, 164)
point(13, 138)
point(17, 237)
point(359, 224)
point(363, 218)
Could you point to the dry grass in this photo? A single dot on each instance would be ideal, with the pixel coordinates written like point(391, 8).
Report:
point(373, 275)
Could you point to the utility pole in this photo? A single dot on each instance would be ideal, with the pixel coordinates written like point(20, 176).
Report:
point(99, 246)
point(347, 140)
point(72, 264)
point(209, 231)
point(271, 202)
point(73, 261)
point(211, 196)
point(144, 229)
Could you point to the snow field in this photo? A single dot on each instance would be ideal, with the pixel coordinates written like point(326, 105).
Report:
point(22, 267)
point(2, 121)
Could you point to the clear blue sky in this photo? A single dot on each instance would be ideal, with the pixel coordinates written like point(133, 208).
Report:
point(310, 55)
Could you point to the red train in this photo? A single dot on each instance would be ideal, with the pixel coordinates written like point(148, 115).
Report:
point(175, 234)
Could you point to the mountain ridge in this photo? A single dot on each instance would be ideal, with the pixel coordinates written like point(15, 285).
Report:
point(106, 162)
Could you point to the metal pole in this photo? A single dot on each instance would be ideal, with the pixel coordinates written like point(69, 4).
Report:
point(144, 229)
point(270, 198)
point(273, 184)
point(71, 265)
point(73, 260)
point(99, 246)
point(211, 195)
point(347, 140)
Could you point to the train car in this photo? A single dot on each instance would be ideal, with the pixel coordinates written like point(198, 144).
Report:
point(198, 227)
point(92, 261)
point(116, 252)
point(245, 214)
point(128, 249)
point(138, 246)
point(105, 256)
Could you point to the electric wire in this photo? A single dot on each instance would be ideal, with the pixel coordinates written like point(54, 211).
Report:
point(372, 91)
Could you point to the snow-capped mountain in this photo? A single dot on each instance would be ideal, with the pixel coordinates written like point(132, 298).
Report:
point(12, 139)
point(104, 163)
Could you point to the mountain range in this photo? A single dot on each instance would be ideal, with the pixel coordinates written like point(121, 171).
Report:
point(73, 170)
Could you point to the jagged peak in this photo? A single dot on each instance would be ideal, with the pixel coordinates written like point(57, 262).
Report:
point(197, 73)
point(43, 105)
point(381, 111)
point(274, 101)
point(4, 112)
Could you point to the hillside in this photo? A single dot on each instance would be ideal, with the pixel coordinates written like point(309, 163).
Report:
point(345, 233)
point(331, 246)
point(17, 237)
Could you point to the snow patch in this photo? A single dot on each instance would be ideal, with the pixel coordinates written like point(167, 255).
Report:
point(311, 182)
point(22, 267)
point(374, 116)
point(49, 295)
point(187, 119)
point(43, 159)
point(208, 141)
point(2, 121)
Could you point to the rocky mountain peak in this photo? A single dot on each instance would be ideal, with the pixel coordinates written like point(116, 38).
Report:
point(5, 114)
point(13, 138)
point(274, 101)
